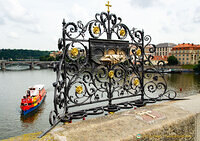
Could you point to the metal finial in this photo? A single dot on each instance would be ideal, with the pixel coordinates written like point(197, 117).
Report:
point(63, 22)
point(108, 4)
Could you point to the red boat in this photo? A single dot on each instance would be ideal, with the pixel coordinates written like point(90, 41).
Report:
point(33, 99)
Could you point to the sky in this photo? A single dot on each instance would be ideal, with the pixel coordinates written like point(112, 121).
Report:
point(37, 24)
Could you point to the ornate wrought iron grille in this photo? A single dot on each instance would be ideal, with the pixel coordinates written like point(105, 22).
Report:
point(103, 75)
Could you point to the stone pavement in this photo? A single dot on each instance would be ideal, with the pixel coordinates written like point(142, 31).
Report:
point(167, 121)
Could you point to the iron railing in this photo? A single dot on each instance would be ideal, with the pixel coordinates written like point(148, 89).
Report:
point(98, 75)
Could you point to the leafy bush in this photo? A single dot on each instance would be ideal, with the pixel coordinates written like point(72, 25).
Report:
point(172, 60)
point(197, 67)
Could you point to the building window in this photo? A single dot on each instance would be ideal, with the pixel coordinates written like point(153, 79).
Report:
point(179, 55)
point(187, 54)
point(183, 58)
point(183, 54)
point(187, 58)
point(179, 59)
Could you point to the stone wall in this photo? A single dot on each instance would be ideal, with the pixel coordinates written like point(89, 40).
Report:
point(167, 121)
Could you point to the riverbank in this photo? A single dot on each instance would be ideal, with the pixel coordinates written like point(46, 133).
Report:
point(171, 120)
point(181, 68)
point(174, 69)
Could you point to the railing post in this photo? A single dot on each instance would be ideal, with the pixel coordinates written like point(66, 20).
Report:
point(3, 66)
point(110, 95)
point(109, 31)
point(142, 53)
point(31, 66)
point(65, 65)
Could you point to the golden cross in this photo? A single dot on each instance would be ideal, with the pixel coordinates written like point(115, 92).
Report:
point(108, 6)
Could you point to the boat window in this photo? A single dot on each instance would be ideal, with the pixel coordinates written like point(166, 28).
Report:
point(32, 88)
point(22, 104)
point(29, 103)
point(25, 104)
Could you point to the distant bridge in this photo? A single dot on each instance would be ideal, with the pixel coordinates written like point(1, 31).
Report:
point(31, 64)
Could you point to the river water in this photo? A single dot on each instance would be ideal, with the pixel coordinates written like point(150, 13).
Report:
point(13, 85)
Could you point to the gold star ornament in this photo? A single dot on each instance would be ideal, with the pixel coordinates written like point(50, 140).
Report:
point(96, 30)
point(111, 74)
point(138, 52)
point(122, 32)
point(136, 82)
point(79, 89)
point(74, 52)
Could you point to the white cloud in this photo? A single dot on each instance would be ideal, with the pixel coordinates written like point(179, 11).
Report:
point(13, 35)
point(15, 15)
point(196, 17)
point(77, 11)
point(34, 22)
point(2, 21)
point(144, 3)
point(34, 28)
point(14, 11)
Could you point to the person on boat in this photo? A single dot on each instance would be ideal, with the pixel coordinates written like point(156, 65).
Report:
point(28, 94)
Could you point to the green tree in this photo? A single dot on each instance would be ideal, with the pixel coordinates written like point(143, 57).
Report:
point(172, 60)
point(47, 58)
point(43, 58)
point(50, 58)
point(197, 67)
point(17, 54)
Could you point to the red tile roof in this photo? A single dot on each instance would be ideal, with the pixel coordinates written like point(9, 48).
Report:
point(186, 47)
point(158, 58)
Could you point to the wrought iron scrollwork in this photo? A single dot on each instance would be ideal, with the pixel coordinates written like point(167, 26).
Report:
point(109, 84)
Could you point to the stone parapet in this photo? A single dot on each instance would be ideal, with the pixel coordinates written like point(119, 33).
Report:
point(167, 121)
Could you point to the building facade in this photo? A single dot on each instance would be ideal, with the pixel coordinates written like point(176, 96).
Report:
point(187, 53)
point(55, 53)
point(164, 49)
